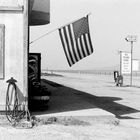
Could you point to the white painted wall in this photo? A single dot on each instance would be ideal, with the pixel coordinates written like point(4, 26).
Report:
point(14, 48)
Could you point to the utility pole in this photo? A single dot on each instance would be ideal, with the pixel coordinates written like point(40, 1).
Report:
point(120, 65)
point(131, 39)
point(131, 62)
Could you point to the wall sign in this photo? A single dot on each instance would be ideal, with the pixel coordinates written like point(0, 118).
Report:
point(135, 65)
point(125, 62)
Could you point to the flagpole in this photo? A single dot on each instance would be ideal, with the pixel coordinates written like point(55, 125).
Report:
point(44, 35)
point(56, 29)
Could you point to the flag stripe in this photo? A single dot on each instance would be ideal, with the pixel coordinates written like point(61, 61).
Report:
point(66, 38)
point(76, 40)
point(86, 44)
point(72, 43)
point(63, 44)
point(89, 48)
point(82, 47)
point(79, 49)
point(90, 42)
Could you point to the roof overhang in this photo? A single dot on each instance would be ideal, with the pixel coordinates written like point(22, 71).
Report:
point(39, 12)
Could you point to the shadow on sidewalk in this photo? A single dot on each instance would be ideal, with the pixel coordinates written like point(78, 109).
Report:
point(68, 99)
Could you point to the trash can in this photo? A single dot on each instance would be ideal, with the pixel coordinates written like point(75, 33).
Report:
point(119, 81)
point(116, 74)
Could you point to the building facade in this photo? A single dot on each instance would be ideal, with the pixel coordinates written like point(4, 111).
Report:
point(13, 47)
point(16, 17)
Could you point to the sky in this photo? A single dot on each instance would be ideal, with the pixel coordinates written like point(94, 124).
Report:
point(110, 22)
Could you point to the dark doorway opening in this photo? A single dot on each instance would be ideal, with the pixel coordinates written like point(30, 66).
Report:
point(37, 93)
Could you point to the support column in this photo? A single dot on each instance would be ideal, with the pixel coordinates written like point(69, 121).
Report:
point(26, 51)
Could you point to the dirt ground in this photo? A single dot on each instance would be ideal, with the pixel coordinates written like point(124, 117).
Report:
point(97, 92)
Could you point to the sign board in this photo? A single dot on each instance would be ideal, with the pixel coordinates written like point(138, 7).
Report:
point(131, 38)
point(135, 65)
point(125, 62)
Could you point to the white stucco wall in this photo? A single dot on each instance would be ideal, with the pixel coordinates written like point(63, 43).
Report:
point(11, 2)
point(14, 47)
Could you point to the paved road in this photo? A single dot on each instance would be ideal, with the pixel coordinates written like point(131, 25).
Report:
point(100, 91)
point(89, 99)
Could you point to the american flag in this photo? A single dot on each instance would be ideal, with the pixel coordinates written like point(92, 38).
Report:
point(76, 40)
